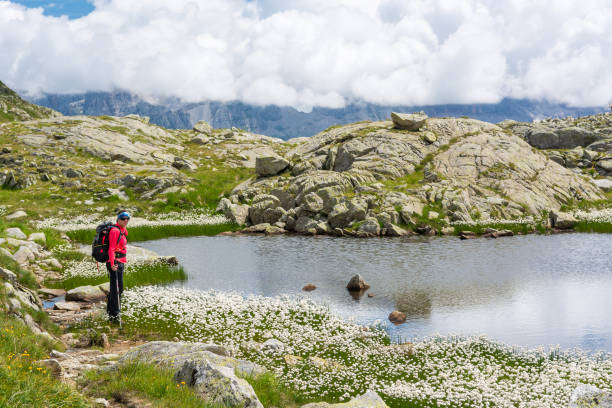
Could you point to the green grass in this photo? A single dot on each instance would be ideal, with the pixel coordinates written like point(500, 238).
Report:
point(23, 383)
point(148, 233)
point(271, 393)
point(156, 384)
point(137, 275)
point(210, 187)
point(480, 228)
point(412, 180)
point(144, 381)
point(25, 277)
point(590, 226)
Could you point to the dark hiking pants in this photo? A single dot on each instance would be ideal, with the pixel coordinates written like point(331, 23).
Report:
point(116, 289)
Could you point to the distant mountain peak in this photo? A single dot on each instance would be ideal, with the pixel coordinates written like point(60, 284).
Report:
point(285, 122)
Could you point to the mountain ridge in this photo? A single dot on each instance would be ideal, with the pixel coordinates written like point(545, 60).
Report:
point(286, 122)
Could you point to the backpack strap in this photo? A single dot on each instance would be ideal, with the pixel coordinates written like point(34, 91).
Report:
point(120, 234)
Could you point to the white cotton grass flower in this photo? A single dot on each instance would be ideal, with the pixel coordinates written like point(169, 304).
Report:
point(194, 217)
point(604, 215)
point(529, 220)
point(325, 355)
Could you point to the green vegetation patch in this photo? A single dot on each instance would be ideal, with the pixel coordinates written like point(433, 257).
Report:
point(148, 232)
point(140, 274)
point(517, 228)
point(143, 381)
point(592, 226)
point(24, 383)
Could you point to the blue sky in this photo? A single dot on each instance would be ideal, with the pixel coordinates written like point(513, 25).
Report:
point(71, 8)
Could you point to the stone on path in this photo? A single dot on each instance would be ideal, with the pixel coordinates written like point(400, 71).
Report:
point(368, 400)
point(15, 233)
point(70, 306)
point(16, 214)
point(52, 292)
point(85, 294)
point(23, 255)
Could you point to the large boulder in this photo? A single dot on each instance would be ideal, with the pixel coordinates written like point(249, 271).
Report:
point(217, 384)
point(544, 137)
point(203, 127)
point(305, 225)
point(408, 121)
point(368, 400)
point(345, 213)
point(270, 165)
point(23, 255)
point(604, 166)
point(312, 202)
point(561, 220)
point(85, 294)
point(174, 355)
point(238, 214)
point(370, 227)
point(261, 203)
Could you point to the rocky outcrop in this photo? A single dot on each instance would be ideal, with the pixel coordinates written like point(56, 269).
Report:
point(371, 179)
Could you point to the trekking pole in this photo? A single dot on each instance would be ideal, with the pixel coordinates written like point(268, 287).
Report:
point(119, 301)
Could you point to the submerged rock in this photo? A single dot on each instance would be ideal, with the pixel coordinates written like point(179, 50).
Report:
point(357, 283)
point(396, 317)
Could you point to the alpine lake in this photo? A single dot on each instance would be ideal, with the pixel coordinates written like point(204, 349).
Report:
point(530, 290)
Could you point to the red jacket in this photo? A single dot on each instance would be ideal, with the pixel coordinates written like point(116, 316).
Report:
point(117, 251)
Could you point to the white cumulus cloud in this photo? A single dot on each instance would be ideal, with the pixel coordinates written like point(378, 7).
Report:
point(325, 53)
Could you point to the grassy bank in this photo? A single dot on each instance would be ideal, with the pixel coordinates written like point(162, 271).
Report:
point(151, 383)
point(23, 383)
point(591, 226)
point(140, 383)
point(139, 274)
point(148, 233)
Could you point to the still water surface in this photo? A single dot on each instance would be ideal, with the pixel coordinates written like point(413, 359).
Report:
point(526, 290)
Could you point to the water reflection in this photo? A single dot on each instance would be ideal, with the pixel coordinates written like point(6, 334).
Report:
point(527, 290)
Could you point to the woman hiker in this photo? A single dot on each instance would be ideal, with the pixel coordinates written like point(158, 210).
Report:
point(117, 243)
